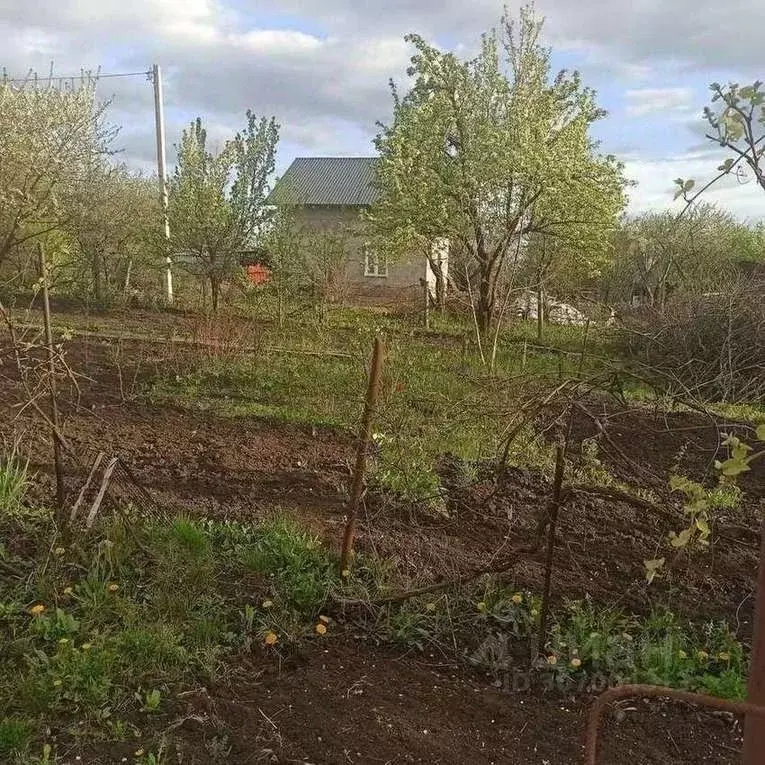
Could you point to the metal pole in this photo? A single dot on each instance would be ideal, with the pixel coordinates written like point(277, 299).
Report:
point(159, 120)
point(365, 434)
point(57, 460)
point(754, 726)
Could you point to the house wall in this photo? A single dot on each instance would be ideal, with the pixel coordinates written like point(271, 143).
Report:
point(403, 276)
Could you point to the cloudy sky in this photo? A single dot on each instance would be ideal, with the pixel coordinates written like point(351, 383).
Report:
point(322, 68)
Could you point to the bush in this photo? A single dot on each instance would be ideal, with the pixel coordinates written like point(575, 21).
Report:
point(710, 346)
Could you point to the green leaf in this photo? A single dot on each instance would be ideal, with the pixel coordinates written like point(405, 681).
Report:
point(733, 467)
point(682, 539)
point(652, 568)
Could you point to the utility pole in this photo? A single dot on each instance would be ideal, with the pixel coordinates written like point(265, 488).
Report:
point(159, 119)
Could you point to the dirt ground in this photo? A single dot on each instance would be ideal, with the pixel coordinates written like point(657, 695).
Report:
point(350, 701)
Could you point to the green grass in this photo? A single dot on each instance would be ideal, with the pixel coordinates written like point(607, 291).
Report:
point(99, 642)
point(437, 397)
point(14, 480)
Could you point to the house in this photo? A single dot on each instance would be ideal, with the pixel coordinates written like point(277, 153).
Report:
point(331, 193)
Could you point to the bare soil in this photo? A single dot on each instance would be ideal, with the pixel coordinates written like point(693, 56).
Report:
point(348, 700)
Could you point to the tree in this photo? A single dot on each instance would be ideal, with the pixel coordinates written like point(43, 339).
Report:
point(487, 151)
point(49, 140)
point(324, 258)
point(657, 253)
point(284, 241)
point(217, 201)
point(737, 123)
point(111, 221)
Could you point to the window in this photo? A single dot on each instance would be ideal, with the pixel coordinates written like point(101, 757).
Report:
point(374, 263)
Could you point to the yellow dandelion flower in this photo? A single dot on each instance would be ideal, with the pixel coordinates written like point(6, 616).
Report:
point(271, 638)
point(682, 654)
point(57, 683)
point(552, 659)
point(723, 656)
point(517, 598)
point(320, 629)
point(346, 573)
point(481, 606)
point(37, 609)
point(703, 655)
point(113, 587)
point(576, 662)
point(59, 551)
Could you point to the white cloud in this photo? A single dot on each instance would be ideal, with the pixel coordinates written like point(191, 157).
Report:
point(655, 189)
point(662, 100)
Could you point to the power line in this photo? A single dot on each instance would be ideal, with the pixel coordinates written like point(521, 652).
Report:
point(88, 76)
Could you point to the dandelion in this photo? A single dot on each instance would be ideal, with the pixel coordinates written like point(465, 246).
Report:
point(68, 590)
point(63, 641)
point(59, 551)
point(267, 603)
point(320, 629)
point(517, 598)
point(552, 659)
point(682, 654)
point(430, 607)
point(481, 606)
point(57, 683)
point(271, 638)
point(113, 587)
point(576, 662)
point(723, 656)
point(703, 655)
point(139, 752)
point(346, 573)
point(86, 646)
point(37, 609)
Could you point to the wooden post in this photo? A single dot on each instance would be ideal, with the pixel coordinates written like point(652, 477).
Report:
point(426, 289)
point(365, 433)
point(754, 726)
point(551, 529)
point(57, 461)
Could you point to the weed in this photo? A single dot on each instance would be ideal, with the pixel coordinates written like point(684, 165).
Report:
point(14, 480)
point(15, 734)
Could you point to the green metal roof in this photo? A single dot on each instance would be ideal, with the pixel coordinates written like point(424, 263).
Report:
point(327, 181)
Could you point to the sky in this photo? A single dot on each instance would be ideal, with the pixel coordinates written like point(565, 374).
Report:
point(322, 68)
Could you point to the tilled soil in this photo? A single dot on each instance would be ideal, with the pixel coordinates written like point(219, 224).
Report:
point(349, 701)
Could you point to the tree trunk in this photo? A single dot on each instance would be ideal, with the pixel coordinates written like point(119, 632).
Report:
point(98, 285)
point(485, 304)
point(540, 311)
point(126, 283)
point(214, 292)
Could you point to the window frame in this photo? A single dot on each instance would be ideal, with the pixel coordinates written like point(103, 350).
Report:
point(378, 270)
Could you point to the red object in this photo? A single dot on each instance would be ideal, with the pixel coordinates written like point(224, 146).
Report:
point(258, 274)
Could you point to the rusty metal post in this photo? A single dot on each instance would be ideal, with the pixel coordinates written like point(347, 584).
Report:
point(598, 708)
point(57, 460)
point(365, 434)
point(754, 727)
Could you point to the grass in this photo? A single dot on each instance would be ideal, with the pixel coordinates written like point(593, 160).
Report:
point(14, 480)
point(99, 641)
point(437, 397)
